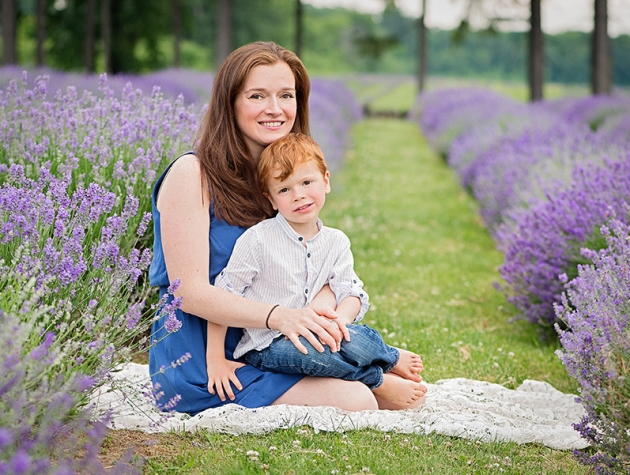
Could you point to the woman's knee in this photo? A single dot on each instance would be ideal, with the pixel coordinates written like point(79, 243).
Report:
point(359, 396)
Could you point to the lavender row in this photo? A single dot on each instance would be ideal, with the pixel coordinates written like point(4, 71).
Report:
point(553, 185)
point(545, 175)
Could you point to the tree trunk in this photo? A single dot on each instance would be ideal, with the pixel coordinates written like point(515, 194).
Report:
point(9, 29)
point(299, 25)
point(106, 31)
point(601, 70)
point(177, 32)
point(422, 47)
point(536, 56)
point(224, 31)
point(40, 20)
point(90, 22)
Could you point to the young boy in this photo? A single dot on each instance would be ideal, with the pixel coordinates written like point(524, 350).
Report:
point(287, 260)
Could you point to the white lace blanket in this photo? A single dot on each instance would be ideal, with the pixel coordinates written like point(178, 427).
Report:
point(534, 412)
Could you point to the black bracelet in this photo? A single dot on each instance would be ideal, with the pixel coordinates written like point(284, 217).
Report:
point(269, 315)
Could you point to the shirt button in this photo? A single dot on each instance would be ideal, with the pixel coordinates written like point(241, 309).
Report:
point(308, 255)
point(361, 295)
point(300, 238)
point(354, 281)
point(306, 291)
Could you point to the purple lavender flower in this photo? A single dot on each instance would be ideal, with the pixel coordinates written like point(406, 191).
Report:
point(5, 437)
point(43, 427)
point(174, 286)
point(172, 323)
point(134, 312)
point(546, 239)
point(39, 352)
point(595, 308)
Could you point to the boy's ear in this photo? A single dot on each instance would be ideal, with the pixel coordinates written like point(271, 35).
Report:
point(273, 204)
point(327, 182)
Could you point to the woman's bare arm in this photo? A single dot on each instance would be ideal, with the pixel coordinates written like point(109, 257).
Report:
point(185, 222)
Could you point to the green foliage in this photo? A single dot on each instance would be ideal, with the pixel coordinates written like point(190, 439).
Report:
point(192, 55)
point(277, 25)
point(621, 67)
point(567, 57)
point(329, 40)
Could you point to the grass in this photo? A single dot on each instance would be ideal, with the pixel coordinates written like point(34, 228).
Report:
point(429, 266)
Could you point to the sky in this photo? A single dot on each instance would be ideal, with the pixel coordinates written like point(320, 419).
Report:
point(556, 16)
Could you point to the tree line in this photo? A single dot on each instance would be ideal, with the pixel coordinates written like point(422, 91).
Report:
point(600, 60)
point(139, 36)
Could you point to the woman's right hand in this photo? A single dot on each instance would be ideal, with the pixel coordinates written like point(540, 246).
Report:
point(305, 322)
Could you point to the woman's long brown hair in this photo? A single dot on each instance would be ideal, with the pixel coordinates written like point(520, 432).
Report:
point(227, 166)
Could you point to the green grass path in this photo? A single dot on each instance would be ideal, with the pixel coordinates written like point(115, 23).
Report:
point(429, 264)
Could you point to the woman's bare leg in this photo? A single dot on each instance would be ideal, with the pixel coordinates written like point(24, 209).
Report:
point(314, 391)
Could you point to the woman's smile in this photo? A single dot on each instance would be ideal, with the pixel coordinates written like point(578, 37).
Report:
point(266, 106)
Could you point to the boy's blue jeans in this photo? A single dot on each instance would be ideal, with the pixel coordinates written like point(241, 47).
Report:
point(364, 358)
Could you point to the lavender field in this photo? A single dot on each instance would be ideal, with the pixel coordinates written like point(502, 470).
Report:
point(80, 154)
point(78, 159)
point(552, 180)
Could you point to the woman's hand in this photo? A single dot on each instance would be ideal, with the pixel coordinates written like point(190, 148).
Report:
point(220, 373)
point(306, 322)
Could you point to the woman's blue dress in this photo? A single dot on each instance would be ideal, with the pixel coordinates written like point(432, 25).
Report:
point(190, 380)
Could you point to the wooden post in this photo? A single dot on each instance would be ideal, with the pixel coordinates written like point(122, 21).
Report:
point(106, 31)
point(422, 47)
point(224, 31)
point(40, 15)
point(601, 70)
point(9, 31)
point(536, 56)
point(299, 25)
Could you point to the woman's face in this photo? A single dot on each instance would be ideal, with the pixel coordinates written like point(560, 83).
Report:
point(265, 108)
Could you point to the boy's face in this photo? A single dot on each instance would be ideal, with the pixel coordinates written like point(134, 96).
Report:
point(301, 196)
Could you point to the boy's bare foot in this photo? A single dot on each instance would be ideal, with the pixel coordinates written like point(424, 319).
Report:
point(400, 393)
point(408, 366)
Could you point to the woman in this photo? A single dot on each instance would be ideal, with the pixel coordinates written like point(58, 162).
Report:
point(201, 205)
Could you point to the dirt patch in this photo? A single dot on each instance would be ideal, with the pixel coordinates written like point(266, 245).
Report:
point(143, 445)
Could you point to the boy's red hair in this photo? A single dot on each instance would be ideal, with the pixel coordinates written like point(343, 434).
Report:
point(285, 154)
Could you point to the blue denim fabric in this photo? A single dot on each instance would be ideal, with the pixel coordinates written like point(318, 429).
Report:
point(364, 358)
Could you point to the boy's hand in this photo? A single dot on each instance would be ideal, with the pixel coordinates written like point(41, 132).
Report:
point(324, 310)
point(343, 328)
point(338, 318)
point(333, 318)
point(221, 373)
